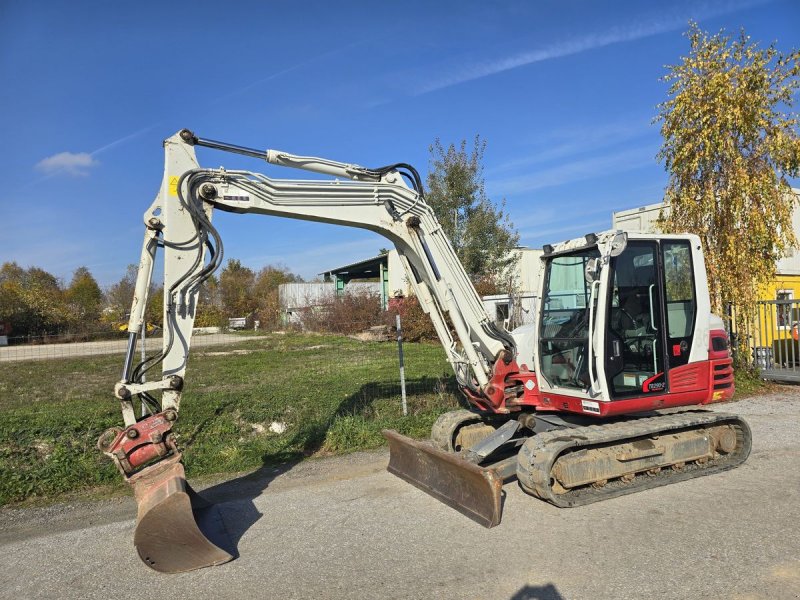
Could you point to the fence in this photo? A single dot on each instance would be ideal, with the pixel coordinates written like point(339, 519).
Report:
point(49, 347)
point(773, 340)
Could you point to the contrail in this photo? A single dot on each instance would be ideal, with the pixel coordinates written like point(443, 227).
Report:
point(593, 41)
point(123, 139)
point(289, 69)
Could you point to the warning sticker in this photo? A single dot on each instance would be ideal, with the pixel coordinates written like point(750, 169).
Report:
point(590, 407)
point(173, 186)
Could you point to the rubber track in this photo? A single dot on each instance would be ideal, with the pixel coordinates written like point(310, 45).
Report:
point(538, 455)
point(446, 425)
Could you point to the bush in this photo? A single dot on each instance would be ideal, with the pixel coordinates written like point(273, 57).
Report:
point(417, 326)
point(346, 314)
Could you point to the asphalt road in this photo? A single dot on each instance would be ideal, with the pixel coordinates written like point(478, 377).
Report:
point(345, 528)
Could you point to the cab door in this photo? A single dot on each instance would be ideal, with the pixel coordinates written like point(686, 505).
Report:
point(635, 338)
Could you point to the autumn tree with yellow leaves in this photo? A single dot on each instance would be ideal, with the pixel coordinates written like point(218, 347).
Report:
point(730, 143)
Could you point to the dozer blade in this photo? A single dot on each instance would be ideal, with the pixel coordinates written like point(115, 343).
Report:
point(472, 490)
point(176, 529)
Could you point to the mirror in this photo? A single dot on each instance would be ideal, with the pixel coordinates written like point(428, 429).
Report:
point(618, 243)
point(591, 272)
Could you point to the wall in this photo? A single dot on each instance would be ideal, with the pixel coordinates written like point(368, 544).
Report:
point(398, 284)
point(643, 219)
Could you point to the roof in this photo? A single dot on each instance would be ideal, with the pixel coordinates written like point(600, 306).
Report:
point(363, 269)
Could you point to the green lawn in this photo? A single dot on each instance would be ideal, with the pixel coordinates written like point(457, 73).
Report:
point(333, 393)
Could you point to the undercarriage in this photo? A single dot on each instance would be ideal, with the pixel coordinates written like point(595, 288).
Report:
point(567, 463)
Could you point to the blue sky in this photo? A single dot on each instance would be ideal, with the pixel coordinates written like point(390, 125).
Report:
point(563, 92)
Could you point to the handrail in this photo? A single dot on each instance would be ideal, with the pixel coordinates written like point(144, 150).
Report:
point(652, 314)
point(592, 297)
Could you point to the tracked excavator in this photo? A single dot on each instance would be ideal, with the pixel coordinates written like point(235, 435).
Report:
point(601, 396)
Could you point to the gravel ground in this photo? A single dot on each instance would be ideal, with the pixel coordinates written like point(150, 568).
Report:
point(344, 528)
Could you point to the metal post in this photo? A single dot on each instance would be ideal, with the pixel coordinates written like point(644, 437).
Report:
point(402, 365)
point(145, 410)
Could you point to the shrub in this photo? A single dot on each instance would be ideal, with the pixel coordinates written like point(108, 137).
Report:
point(346, 314)
point(417, 326)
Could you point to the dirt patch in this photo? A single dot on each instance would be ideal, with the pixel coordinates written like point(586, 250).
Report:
point(225, 353)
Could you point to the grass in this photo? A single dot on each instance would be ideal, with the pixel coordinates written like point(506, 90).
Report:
point(334, 395)
point(749, 383)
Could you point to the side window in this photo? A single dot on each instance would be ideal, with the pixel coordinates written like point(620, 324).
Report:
point(679, 288)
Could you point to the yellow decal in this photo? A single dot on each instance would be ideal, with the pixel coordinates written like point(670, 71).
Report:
point(717, 396)
point(173, 186)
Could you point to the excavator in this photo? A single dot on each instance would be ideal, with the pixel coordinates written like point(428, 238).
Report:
point(601, 396)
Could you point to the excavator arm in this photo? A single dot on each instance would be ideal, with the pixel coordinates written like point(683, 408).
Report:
point(179, 223)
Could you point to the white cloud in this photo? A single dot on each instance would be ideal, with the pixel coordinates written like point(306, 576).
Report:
point(69, 163)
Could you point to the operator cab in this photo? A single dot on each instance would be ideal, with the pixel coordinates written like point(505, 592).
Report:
point(615, 319)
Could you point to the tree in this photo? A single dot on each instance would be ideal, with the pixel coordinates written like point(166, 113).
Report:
point(479, 229)
point(13, 310)
point(209, 309)
point(32, 301)
point(154, 312)
point(84, 298)
point(730, 142)
point(265, 290)
point(120, 295)
point(236, 289)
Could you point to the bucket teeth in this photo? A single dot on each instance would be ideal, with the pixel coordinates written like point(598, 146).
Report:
point(462, 485)
point(176, 529)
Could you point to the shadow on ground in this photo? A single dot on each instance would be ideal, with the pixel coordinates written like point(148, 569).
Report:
point(235, 497)
point(537, 592)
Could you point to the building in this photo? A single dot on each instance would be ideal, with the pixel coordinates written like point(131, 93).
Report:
point(780, 306)
point(784, 286)
point(381, 275)
point(384, 275)
point(385, 270)
point(513, 310)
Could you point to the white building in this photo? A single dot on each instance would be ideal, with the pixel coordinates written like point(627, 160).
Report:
point(643, 219)
point(513, 310)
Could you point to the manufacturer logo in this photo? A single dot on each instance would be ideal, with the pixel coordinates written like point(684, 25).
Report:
point(590, 407)
point(657, 383)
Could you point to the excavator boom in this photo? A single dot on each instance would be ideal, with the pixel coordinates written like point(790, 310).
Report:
point(170, 535)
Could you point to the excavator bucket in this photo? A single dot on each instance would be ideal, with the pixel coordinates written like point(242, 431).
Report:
point(176, 529)
point(472, 490)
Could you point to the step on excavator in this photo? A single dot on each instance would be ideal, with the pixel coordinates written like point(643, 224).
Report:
point(601, 396)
